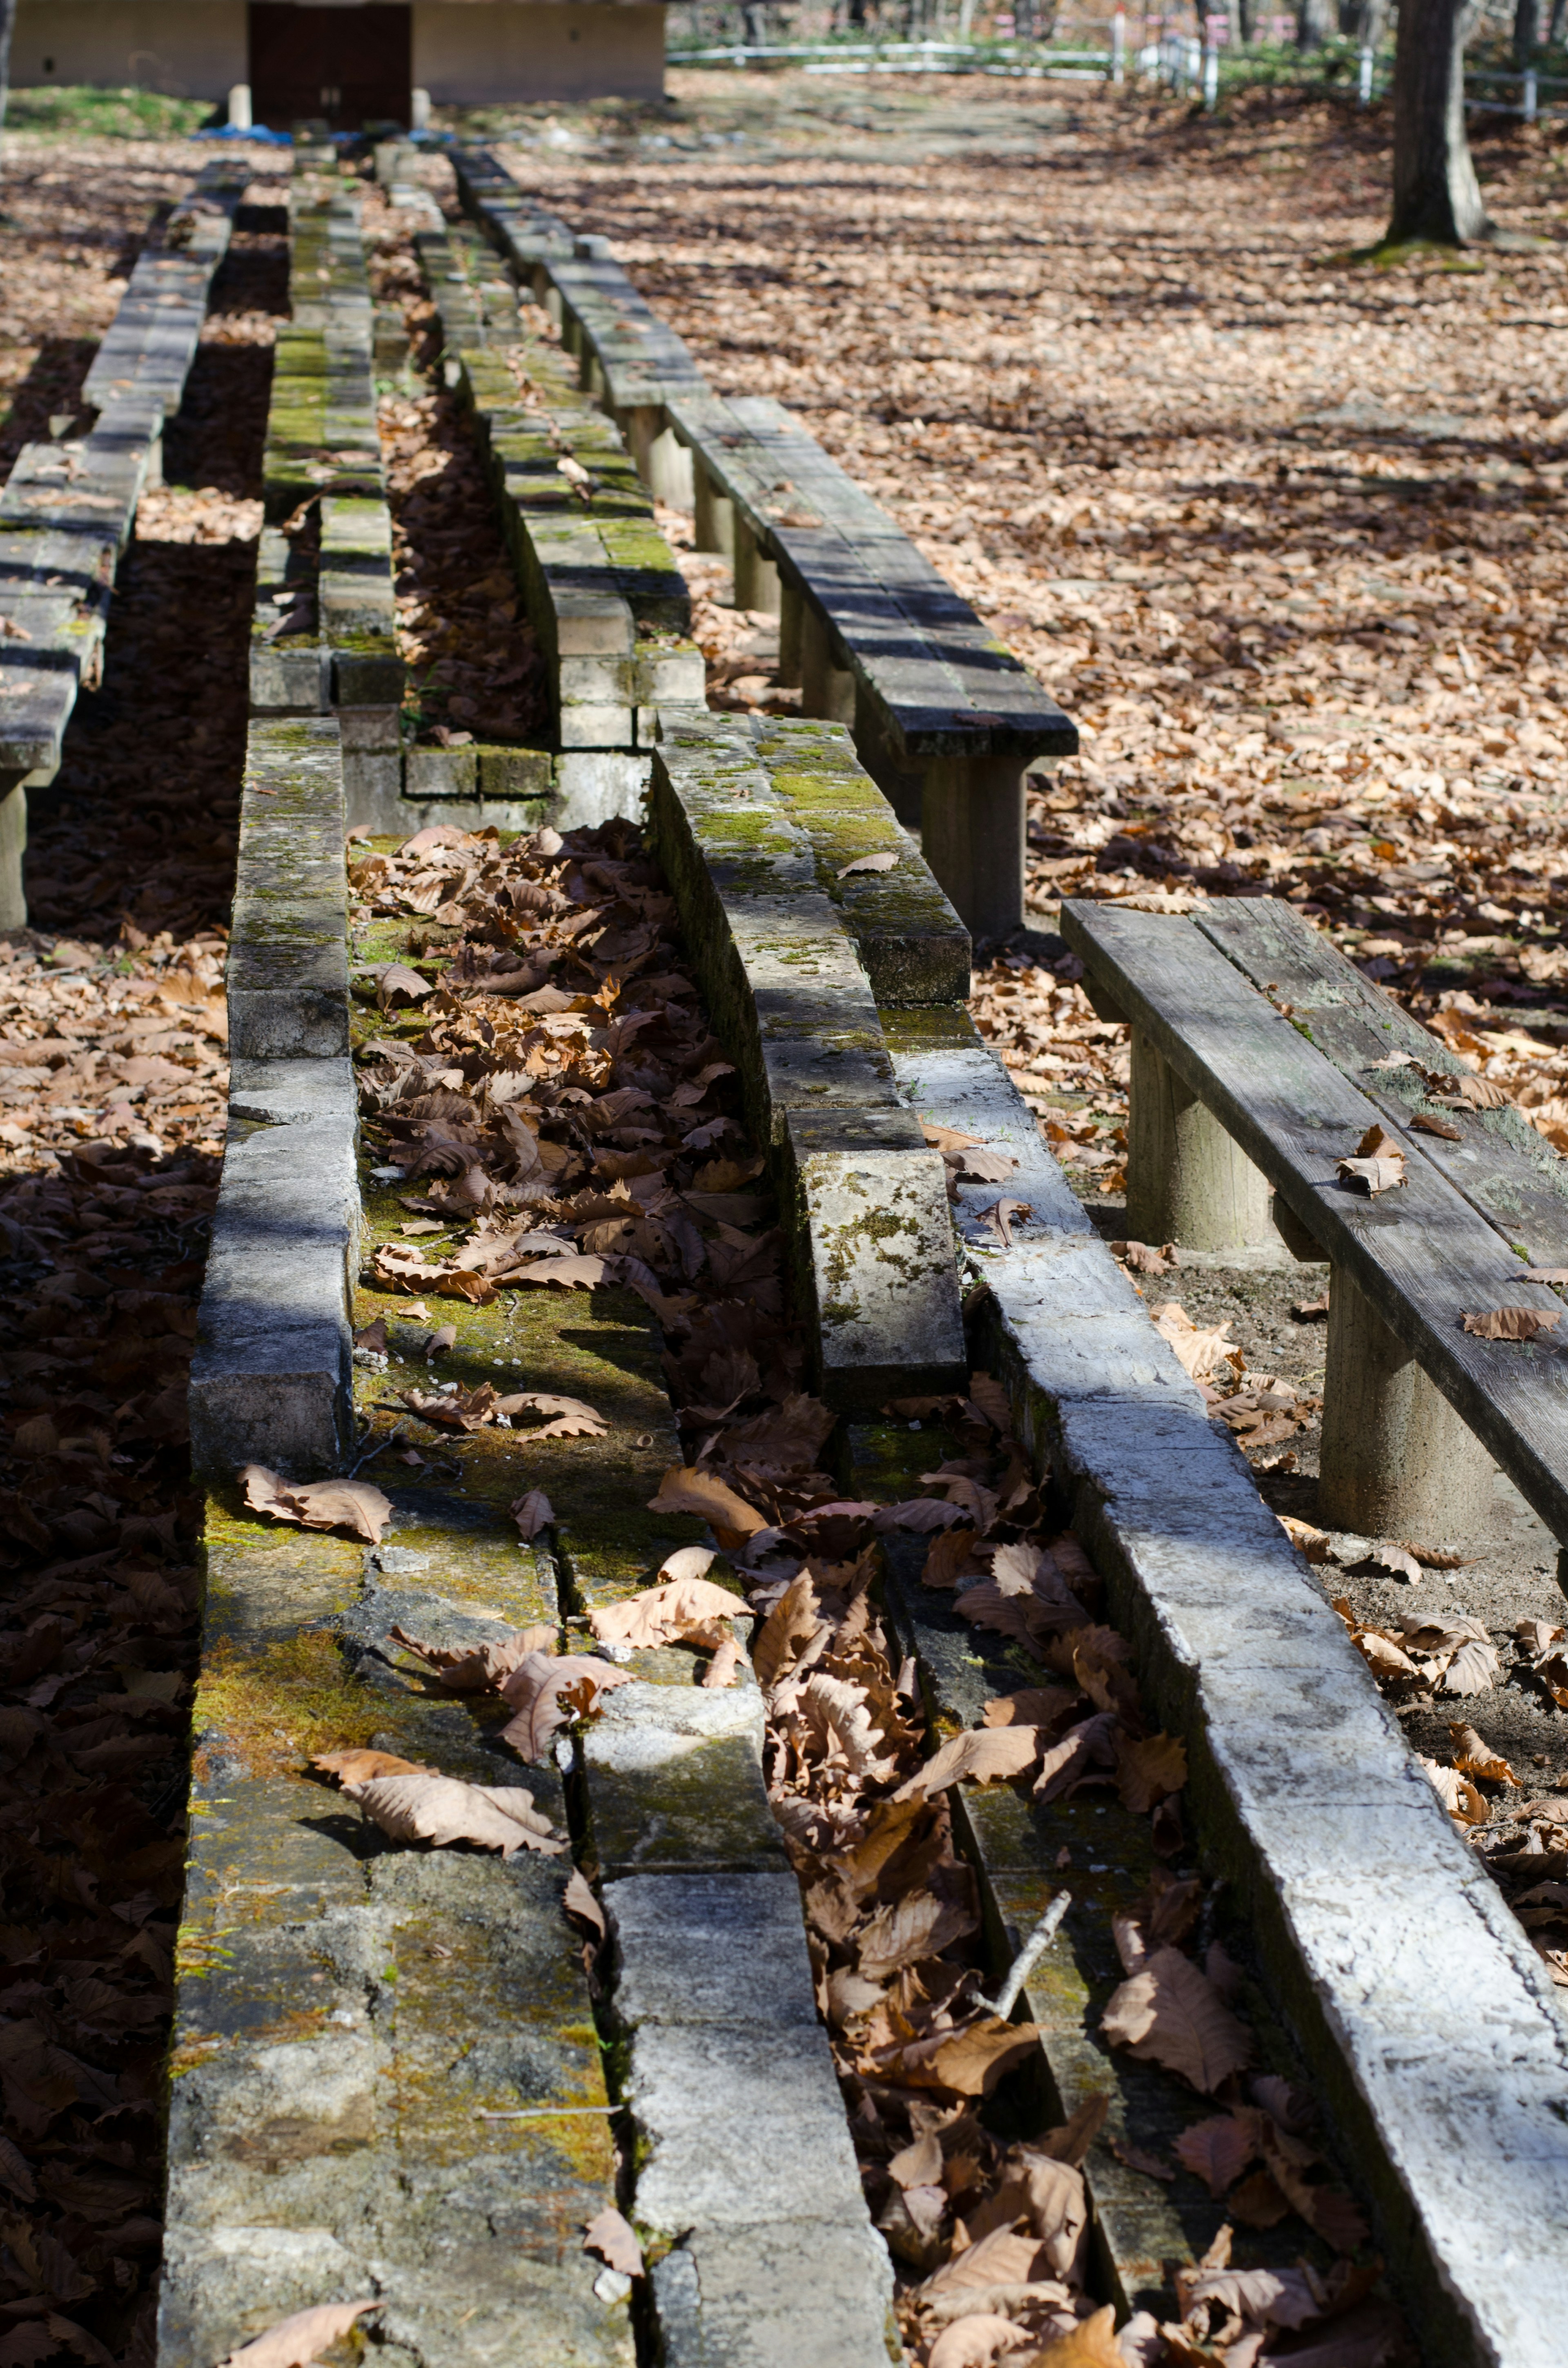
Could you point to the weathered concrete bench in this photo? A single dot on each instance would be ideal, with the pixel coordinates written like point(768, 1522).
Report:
point(608, 604)
point(1233, 1101)
point(68, 508)
point(944, 718)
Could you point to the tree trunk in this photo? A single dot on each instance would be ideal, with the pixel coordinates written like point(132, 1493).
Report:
point(1315, 23)
point(1527, 30)
point(1559, 10)
point(7, 13)
point(1436, 194)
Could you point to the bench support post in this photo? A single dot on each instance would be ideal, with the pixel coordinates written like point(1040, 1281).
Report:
point(13, 848)
point(827, 690)
point(714, 513)
point(1186, 1182)
point(757, 577)
point(1396, 1459)
point(971, 835)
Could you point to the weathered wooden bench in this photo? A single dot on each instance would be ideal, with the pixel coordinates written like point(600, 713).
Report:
point(68, 508)
point(1260, 1059)
point(944, 718)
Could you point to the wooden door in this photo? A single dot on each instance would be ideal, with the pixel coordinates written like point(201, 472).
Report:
point(353, 66)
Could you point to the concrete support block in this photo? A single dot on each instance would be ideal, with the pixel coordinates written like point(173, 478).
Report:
point(670, 475)
point(674, 1782)
point(1186, 1182)
point(1396, 1460)
point(877, 1254)
point(971, 835)
point(593, 786)
point(791, 634)
point(270, 1379)
point(288, 975)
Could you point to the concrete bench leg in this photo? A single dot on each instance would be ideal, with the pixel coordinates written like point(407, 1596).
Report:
point(1396, 1459)
point(13, 848)
point(756, 578)
point(671, 477)
point(827, 690)
point(1186, 1182)
point(792, 629)
point(971, 835)
point(714, 512)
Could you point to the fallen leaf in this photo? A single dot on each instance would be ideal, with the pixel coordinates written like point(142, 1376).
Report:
point(882, 862)
point(547, 1691)
point(1170, 2013)
point(1030, 1706)
point(532, 1513)
point(478, 1668)
point(570, 1418)
point(1092, 2344)
point(999, 1218)
point(1371, 1176)
point(904, 1930)
point(1147, 1768)
point(980, 1755)
point(578, 1900)
point(1545, 1274)
point(791, 1620)
point(1144, 1259)
point(615, 2242)
point(442, 1809)
point(1473, 1756)
point(972, 2061)
point(353, 1766)
point(1001, 2256)
point(318, 1504)
point(681, 1608)
point(687, 1561)
point(724, 1666)
point(294, 2343)
point(1457, 1793)
point(1419, 1125)
point(1071, 2141)
point(1218, 2151)
point(1153, 2165)
point(685, 1489)
point(1201, 1354)
point(397, 980)
point(1511, 1322)
point(951, 1556)
point(373, 1336)
point(978, 2341)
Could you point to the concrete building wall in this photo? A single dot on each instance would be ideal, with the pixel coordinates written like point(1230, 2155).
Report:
point(475, 50)
point(190, 48)
point(464, 50)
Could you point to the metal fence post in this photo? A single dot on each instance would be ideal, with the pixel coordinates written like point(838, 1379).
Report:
point(1366, 77)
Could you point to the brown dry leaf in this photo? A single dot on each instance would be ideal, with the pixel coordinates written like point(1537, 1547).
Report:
point(442, 1809)
point(1371, 1176)
point(980, 1755)
point(570, 1273)
point(373, 1336)
point(724, 1666)
point(1437, 1126)
point(1218, 2151)
point(1071, 2141)
point(318, 1504)
point(689, 1562)
point(951, 1556)
point(1545, 1274)
point(978, 2341)
point(478, 1668)
point(1457, 1793)
point(1030, 1706)
point(1511, 1322)
point(578, 1900)
point(1202, 1354)
point(685, 1489)
point(884, 861)
point(1143, 1259)
point(354, 1766)
point(398, 981)
point(615, 2242)
point(1091, 2345)
point(999, 1218)
point(987, 1393)
point(570, 1418)
point(532, 1513)
point(295, 2342)
point(791, 1620)
point(1473, 1756)
point(1147, 1768)
point(547, 1691)
point(972, 2060)
point(1003, 2257)
point(904, 1930)
point(682, 1608)
point(1172, 2014)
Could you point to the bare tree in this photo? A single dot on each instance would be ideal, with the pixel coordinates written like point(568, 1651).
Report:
point(1527, 30)
point(1435, 193)
point(1315, 23)
point(8, 16)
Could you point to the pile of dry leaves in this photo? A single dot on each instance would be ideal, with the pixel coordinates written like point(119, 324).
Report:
point(546, 1081)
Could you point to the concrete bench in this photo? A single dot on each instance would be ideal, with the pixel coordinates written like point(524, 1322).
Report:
point(1233, 1101)
point(944, 718)
point(68, 508)
point(608, 604)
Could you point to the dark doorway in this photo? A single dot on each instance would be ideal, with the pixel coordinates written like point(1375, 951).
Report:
point(353, 66)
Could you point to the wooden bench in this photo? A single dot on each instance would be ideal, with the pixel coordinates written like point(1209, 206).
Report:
point(1234, 1100)
point(944, 718)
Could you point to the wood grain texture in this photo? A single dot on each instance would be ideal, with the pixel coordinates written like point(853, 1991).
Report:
point(1421, 1255)
point(1500, 1164)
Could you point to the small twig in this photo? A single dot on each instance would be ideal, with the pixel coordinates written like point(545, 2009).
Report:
point(1029, 1955)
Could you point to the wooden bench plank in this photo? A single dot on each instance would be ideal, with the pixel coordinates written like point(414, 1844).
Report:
point(1501, 1165)
point(1420, 1256)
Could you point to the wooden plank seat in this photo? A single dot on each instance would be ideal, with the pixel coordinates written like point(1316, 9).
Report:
point(944, 718)
point(1416, 1409)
